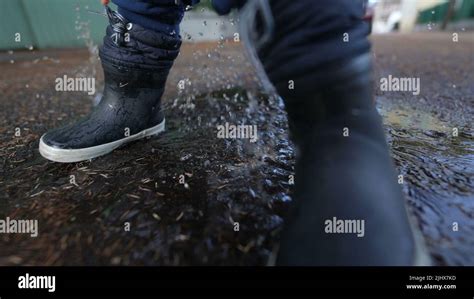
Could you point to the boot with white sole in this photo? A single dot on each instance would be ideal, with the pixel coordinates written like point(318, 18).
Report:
point(136, 63)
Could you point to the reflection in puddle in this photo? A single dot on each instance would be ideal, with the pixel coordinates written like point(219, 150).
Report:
point(436, 159)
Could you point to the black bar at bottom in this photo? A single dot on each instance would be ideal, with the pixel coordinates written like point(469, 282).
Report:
point(292, 282)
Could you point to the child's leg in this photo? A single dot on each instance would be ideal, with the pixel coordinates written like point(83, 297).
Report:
point(158, 15)
point(348, 208)
point(136, 61)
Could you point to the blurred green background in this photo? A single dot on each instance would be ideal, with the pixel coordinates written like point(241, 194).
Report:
point(50, 23)
point(436, 14)
point(53, 23)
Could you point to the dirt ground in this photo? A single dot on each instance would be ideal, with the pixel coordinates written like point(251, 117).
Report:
point(432, 136)
point(228, 183)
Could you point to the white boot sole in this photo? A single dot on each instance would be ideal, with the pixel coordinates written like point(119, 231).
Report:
point(82, 154)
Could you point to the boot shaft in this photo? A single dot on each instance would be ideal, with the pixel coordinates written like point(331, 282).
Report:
point(134, 56)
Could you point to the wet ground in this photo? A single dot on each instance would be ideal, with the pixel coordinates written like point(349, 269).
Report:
point(184, 194)
point(432, 136)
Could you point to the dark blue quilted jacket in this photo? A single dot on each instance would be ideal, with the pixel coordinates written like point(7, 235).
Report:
point(157, 15)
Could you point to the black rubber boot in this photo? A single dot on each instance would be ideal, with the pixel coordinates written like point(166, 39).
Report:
point(136, 63)
point(348, 208)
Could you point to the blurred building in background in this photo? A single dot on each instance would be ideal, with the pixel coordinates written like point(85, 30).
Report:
point(415, 15)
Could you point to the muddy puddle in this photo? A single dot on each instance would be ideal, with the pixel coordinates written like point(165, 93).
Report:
point(188, 197)
point(436, 159)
